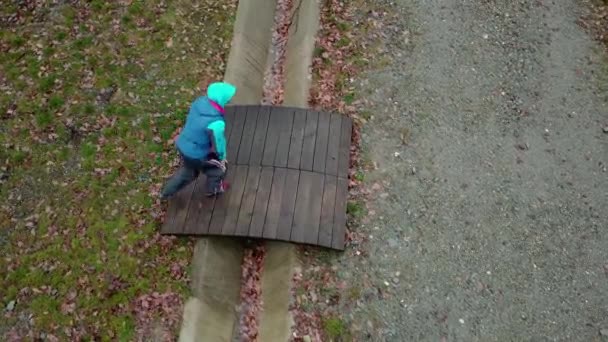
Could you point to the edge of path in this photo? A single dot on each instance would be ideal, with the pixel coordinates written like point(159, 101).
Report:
point(281, 258)
point(210, 315)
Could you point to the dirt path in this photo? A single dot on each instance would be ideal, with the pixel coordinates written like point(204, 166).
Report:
point(489, 224)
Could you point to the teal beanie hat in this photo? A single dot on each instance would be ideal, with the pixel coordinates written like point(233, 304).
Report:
point(221, 93)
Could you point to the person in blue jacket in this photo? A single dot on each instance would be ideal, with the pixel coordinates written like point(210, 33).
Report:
point(202, 144)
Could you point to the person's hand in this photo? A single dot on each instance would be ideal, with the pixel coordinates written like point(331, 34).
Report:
point(217, 164)
point(222, 164)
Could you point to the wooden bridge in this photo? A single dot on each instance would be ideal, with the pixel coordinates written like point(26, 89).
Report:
point(288, 175)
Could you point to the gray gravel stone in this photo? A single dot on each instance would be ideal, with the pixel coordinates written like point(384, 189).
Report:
point(536, 222)
point(10, 306)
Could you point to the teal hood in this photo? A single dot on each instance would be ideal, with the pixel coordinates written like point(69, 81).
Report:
point(221, 93)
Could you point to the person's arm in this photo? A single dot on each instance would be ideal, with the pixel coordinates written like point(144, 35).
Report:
point(217, 138)
point(213, 149)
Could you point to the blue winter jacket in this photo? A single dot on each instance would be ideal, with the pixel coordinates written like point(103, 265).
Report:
point(193, 141)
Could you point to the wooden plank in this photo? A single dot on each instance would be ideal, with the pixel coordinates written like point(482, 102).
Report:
point(280, 159)
point(289, 179)
point(169, 226)
point(273, 213)
point(234, 203)
point(221, 205)
point(327, 211)
point(333, 145)
point(303, 194)
point(228, 117)
point(262, 198)
point(308, 144)
point(234, 140)
point(246, 211)
point(321, 144)
point(288, 204)
point(259, 139)
point(183, 199)
point(339, 229)
point(311, 235)
point(297, 138)
point(272, 137)
point(247, 137)
point(176, 203)
point(201, 208)
point(307, 212)
point(344, 151)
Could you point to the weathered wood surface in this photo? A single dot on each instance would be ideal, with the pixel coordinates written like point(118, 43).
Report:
point(287, 170)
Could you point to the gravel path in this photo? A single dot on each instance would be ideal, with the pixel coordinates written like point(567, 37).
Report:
point(489, 213)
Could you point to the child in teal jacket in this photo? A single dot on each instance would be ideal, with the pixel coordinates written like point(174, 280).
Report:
point(202, 144)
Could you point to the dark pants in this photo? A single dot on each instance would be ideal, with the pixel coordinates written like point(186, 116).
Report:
point(189, 171)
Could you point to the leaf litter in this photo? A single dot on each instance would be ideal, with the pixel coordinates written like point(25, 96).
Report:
point(90, 92)
point(344, 47)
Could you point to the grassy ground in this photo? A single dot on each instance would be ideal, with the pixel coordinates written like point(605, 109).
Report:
point(91, 94)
